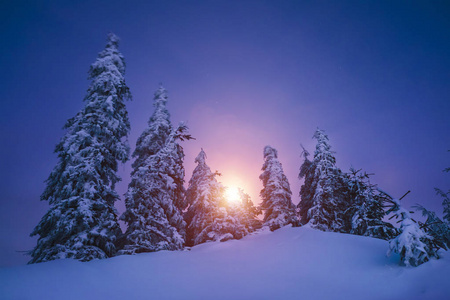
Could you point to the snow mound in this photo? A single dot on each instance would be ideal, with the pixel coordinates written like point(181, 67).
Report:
point(290, 263)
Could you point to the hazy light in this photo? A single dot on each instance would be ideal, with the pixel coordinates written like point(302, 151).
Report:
point(232, 195)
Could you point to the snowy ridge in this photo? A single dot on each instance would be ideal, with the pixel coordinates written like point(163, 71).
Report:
point(289, 263)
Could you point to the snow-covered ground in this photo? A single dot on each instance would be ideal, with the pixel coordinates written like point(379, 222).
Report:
point(290, 263)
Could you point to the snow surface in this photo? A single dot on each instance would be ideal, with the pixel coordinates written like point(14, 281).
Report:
point(290, 263)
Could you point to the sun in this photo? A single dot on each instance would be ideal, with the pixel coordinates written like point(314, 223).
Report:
point(232, 195)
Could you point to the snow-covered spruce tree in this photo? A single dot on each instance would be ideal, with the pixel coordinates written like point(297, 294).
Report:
point(248, 212)
point(155, 197)
point(227, 225)
point(243, 213)
point(207, 216)
point(365, 212)
point(203, 196)
point(328, 205)
point(445, 204)
point(413, 244)
point(82, 221)
point(308, 189)
point(435, 227)
point(276, 193)
point(446, 201)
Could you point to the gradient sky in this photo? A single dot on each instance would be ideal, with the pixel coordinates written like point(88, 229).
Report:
point(375, 75)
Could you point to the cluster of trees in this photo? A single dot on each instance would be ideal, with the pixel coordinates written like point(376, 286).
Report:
point(82, 222)
point(332, 200)
point(209, 216)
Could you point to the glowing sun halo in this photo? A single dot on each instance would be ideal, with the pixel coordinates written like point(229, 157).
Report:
point(232, 195)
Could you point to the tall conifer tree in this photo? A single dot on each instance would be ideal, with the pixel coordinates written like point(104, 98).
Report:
point(155, 197)
point(325, 212)
point(208, 217)
point(276, 193)
point(82, 221)
point(364, 210)
point(248, 213)
point(308, 189)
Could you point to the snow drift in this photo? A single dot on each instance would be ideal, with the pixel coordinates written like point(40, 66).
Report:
point(290, 263)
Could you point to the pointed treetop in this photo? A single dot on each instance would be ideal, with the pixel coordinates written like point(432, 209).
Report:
point(161, 114)
point(113, 40)
point(160, 96)
point(322, 141)
point(269, 151)
point(320, 135)
point(201, 158)
point(109, 61)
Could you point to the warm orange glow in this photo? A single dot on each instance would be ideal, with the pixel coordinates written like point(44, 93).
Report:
point(232, 195)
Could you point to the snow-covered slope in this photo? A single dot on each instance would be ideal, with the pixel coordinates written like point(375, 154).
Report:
point(290, 263)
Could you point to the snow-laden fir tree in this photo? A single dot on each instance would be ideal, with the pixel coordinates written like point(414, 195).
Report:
point(207, 216)
point(439, 230)
point(445, 204)
point(446, 201)
point(435, 227)
point(203, 196)
point(248, 213)
point(413, 244)
point(226, 226)
point(82, 221)
point(242, 213)
point(308, 188)
point(155, 197)
point(323, 188)
point(276, 193)
point(365, 211)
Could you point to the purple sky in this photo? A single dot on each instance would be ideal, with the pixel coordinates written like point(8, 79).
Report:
point(375, 75)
